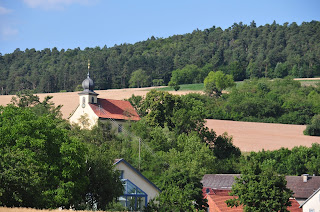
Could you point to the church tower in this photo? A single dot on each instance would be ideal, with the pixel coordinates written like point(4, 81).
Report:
point(87, 95)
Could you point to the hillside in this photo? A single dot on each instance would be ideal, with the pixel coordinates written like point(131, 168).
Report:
point(245, 51)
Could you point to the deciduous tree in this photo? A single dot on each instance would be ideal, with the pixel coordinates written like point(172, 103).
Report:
point(260, 188)
point(215, 82)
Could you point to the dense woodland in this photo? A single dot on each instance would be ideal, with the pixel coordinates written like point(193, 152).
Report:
point(245, 51)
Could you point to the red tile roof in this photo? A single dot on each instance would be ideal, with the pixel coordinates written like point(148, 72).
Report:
point(115, 109)
point(217, 202)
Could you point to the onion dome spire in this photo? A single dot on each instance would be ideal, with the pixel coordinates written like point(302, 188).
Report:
point(88, 84)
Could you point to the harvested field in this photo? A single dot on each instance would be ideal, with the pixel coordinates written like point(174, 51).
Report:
point(70, 100)
point(252, 136)
point(248, 136)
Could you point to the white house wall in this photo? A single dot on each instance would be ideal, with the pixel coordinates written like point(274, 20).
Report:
point(313, 203)
point(135, 178)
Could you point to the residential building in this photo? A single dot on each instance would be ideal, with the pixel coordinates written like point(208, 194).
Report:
point(217, 186)
point(138, 190)
point(312, 204)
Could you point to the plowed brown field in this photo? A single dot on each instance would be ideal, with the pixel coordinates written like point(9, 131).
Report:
point(248, 136)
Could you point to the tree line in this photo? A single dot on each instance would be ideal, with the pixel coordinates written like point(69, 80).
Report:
point(244, 51)
point(283, 101)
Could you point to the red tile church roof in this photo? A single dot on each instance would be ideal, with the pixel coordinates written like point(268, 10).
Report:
point(115, 109)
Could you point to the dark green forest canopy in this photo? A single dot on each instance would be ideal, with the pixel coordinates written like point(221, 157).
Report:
point(244, 51)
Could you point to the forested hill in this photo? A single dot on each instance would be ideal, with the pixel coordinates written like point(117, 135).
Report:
point(244, 51)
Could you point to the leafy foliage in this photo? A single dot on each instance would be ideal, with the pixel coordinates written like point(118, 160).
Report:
point(262, 100)
point(139, 79)
point(44, 163)
point(215, 82)
point(245, 51)
point(41, 165)
point(314, 127)
point(260, 188)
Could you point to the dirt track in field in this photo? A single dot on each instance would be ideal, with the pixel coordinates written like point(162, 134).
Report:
point(248, 136)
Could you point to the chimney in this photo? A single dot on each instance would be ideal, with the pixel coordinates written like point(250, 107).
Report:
point(305, 178)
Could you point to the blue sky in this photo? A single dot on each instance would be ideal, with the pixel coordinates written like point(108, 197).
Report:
point(69, 24)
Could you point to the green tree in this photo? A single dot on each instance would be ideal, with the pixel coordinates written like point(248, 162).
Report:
point(139, 79)
point(215, 82)
point(313, 129)
point(260, 188)
point(180, 182)
point(41, 165)
point(104, 182)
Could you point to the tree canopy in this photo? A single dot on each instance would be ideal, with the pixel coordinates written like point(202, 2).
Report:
point(215, 82)
point(245, 51)
point(260, 188)
point(41, 165)
point(46, 163)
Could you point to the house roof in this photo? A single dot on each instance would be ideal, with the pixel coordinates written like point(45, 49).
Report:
point(303, 190)
point(219, 181)
point(217, 200)
point(117, 161)
point(218, 203)
point(314, 193)
point(115, 109)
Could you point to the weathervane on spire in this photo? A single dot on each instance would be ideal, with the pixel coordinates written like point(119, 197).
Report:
point(88, 67)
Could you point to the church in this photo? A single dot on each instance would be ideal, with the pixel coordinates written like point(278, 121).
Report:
point(92, 109)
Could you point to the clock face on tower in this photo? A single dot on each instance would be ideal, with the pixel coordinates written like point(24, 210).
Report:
point(83, 102)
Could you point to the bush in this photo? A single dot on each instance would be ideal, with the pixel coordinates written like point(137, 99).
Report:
point(314, 128)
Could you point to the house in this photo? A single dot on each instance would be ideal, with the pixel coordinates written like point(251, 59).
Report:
point(217, 186)
point(92, 109)
point(303, 186)
point(138, 190)
point(312, 204)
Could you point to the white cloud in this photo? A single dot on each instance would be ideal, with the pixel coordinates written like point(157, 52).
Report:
point(4, 11)
point(53, 4)
point(8, 32)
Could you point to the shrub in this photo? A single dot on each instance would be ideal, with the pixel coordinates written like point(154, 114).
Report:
point(314, 128)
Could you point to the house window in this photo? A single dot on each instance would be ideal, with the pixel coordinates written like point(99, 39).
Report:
point(134, 199)
point(121, 174)
point(119, 128)
point(92, 99)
